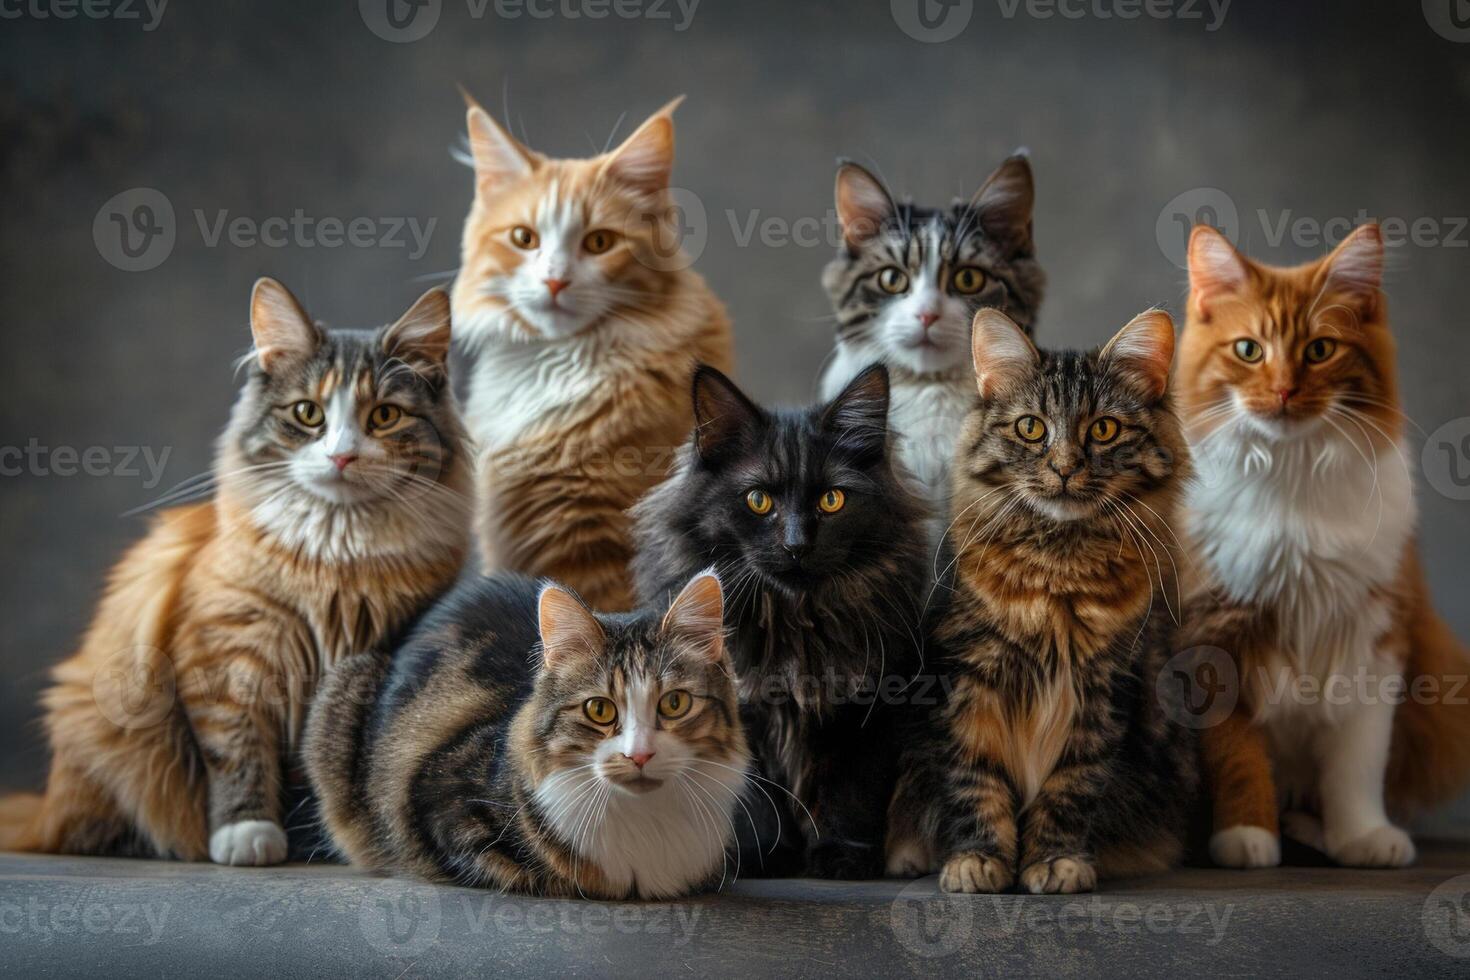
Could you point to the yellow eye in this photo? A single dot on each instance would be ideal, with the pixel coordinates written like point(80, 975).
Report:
point(308, 414)
point(759, 501)
point(893, 280)
point(1320, 350)
point(1249, 351)
point(832, 501)
point(384, 416)
point(969, 280)
point(1030, 428)
point(675, 704)
point(600, 710)
point(1104, 429)
point(598, 242)
point(524, 238)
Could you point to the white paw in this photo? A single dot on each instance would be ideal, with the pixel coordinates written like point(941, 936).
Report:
point(1245, 847)
point(1304, 828)
point(249, 842)
point(909, 859)
point(1382, 847)
point(1064, 876)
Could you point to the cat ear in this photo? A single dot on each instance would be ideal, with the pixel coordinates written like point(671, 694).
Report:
point(1002, 352)
point(859, 415)
point(1216, 270)
point(281, 328)
point(569, 631)
point(421, 336)
point(1355, 268)
point(499, 157)
point(863, 203)
point(722, 414)
point(1144, 352)
point(1004, 202)
point(697, 617)
point(646, 159)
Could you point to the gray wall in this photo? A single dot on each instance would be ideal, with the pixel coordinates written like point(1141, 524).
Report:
point(1308, 110)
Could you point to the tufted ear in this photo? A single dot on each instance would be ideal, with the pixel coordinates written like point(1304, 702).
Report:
point(645, 161)
point(1217, 272)
point(420, 338)
point(569, 631)
point(1144, 352)
point(863, 203)
point(723, 416)
point(696, 617)
point(1004, 202)
point(500, 158)
point(1003, 354)
point(1355, 269)
point(281, 328)
point(859, 415)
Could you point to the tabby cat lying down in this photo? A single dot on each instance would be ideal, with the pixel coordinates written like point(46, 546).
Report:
point(594, 755)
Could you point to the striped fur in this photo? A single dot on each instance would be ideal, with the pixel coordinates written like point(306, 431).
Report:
point(173, 724)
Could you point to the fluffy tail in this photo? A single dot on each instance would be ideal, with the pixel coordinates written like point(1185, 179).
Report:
point(1430, 762)
point(19, 814)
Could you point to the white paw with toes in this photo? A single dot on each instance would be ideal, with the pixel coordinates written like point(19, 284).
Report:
point(248, 843)
point(1245, 847)
point(1382, 847)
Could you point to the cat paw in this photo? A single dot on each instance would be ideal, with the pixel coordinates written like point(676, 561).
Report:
point(1304, 828)
point(1063, 876)
point(843, 862)
point(908, 859)
point(1245, 847)
point(975, 874)
point(1381, 847)
point(249, 842)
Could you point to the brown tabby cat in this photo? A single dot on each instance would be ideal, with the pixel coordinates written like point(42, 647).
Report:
point(586, 323)
point(1351, 695)
point(339, 512)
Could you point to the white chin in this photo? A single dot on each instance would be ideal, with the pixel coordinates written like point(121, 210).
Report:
point(335, 491)
point(923, 360)
point(556, 322)
point(1282, 429)
point(1061, 509)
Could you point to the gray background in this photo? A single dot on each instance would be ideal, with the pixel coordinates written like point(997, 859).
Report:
point(1310, 109)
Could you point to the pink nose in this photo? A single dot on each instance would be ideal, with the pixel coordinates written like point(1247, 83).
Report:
point(640, 759)
point(554, 286)
point(342, 459)
point(928, 319)
point(1285, 395)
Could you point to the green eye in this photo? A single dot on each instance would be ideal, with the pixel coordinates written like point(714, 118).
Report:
point(1320, 350)
point(969, 280)
point(308, 413)
point(1249, 351)
point(675, 704)
point(1030, 428)
point(893, 280)
point(759, 502)
point(600, 710)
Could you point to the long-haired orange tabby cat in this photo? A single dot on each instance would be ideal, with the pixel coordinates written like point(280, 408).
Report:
point(586, 324)
point(340, 510)
point(1352, 696)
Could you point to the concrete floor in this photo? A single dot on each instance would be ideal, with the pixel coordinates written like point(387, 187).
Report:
point(119, 918)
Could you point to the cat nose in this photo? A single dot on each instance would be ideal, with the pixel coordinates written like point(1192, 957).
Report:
point(554, 286)
point(1065, 469)
point(1285, 394)
point(928, 319)
point(340, 460)
point(640, 759)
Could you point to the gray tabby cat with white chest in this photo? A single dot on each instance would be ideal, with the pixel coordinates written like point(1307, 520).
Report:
point(906, 284)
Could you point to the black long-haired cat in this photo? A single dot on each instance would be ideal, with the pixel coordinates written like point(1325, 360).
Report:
point(822, 546)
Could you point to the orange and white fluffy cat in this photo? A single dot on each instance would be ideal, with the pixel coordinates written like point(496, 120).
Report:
point(585, 323)
point(1352, 704)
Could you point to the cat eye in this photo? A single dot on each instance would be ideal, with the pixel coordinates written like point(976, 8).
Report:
point(524, 238)
point(600, 710)
point(308, 413)
point(1104, 429)
point(893, 280)
point(675, 704)
point(384, 416)
point(759, 501)
point(1030, 428)
point(832, 501)
point(1249, 351)
point(968, 280)
point(1320, 350)
point(598, 242)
